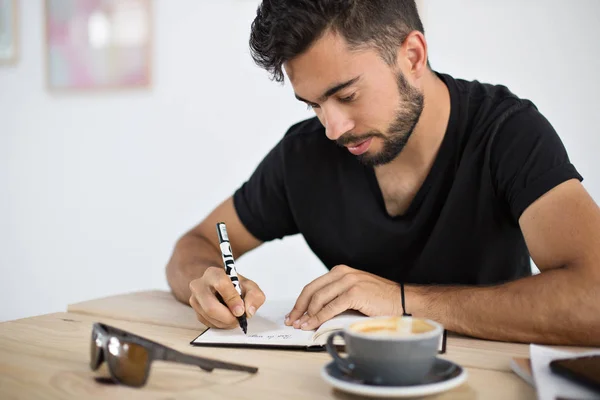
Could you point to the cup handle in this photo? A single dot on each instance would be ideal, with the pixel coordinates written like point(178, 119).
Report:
point(342, 363)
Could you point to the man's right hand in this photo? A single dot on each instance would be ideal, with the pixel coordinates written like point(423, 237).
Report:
point(210, 311)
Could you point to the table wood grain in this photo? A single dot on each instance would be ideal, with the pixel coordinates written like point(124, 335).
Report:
point(48, 356)
point(158, 307)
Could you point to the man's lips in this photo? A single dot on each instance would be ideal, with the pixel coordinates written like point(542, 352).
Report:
point(359, 148)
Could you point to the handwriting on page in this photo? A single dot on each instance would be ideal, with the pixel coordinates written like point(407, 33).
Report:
point(266, 327)
point(279, 336)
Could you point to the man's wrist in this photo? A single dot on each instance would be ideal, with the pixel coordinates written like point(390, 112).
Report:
point(413, 300)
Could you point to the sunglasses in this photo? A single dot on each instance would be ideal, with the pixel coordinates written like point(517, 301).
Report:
point(129, 356)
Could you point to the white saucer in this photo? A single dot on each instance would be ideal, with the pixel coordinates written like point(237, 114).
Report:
point(444, 375)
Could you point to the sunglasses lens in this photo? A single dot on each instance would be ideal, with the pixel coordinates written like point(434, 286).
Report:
point(95, 351)
point(128, 361)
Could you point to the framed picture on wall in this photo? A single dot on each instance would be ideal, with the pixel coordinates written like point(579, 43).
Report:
point(8, 31)
point(98, 44)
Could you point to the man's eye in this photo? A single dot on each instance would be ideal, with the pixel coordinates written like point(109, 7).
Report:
point(311, 106)
point(348, 99)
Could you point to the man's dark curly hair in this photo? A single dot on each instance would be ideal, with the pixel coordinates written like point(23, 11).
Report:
point(284, 29)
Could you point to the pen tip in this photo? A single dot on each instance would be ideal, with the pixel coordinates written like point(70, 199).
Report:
point(243, 323)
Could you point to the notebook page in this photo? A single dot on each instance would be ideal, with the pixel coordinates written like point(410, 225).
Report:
point(266, 327)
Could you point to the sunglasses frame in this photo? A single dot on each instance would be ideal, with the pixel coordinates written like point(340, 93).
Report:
point(102, 333)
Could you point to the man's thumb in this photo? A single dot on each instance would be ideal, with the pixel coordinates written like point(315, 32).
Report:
point(253, 299)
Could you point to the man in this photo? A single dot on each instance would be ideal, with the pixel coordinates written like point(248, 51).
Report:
point(405, 175)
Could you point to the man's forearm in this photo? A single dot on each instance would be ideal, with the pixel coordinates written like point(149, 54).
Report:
point(554, 307)
point(192, 256)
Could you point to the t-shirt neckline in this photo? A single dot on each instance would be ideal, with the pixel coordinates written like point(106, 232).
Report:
point(439, 162)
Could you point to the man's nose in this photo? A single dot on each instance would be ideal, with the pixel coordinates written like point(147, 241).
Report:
point(336, 122)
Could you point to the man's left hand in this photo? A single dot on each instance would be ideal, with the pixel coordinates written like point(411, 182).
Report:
point(344, 288)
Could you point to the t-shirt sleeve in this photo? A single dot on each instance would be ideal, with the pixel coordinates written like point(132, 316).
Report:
point(528, 159)
point(262, 202)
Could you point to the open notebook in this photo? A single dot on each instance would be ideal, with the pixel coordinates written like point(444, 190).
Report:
point(267, 330)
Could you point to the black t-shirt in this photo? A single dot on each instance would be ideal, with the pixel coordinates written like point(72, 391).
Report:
point(499, 154)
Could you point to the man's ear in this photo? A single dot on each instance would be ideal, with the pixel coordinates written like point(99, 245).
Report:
point(412, 55)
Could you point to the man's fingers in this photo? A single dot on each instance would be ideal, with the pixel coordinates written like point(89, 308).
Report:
point(329, 292)
point(215, 299)
point(216, 323)
point(303, 300)
point(196, 308)
point(229, 294)
point(205, 319)
point(325, 295)
point(213, 323)
point(330, 310)
point(254, 297)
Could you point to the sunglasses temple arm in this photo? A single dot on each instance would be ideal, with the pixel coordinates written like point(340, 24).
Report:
point(206, 363)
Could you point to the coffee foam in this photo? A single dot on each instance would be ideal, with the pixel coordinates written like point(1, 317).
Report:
point(396, 326)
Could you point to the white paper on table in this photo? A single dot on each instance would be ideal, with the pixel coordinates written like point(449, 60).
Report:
point(550, 385)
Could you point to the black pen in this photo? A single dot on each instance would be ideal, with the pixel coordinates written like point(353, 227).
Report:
point(229, 266)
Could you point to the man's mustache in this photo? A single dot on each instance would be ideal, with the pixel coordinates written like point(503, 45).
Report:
point(351, 138)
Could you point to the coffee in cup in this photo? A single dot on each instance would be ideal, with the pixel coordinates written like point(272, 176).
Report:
point(394, 326)
point(388, 350)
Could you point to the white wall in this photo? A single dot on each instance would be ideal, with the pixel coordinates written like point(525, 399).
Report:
point(95, 189)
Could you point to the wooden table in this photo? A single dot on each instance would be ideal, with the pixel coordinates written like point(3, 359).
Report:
point(47, 357)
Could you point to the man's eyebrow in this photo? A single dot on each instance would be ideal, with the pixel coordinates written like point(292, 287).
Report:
point(331, 91)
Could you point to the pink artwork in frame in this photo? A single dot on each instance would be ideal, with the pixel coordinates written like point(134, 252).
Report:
point(98, 44)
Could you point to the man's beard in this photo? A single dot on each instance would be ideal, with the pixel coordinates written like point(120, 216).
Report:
point(408, 114)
